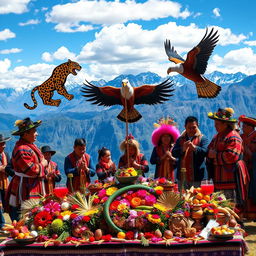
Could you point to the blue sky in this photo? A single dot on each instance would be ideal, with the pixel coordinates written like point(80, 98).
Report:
point(109, 38)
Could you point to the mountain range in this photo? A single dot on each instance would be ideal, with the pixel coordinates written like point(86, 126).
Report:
point(99, 125)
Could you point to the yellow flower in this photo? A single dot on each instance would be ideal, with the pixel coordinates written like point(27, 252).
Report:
point(134, 173)
point(65, 213)
point(153, 220)
point(160, 207)
point(159, 188)
point(130, 170)
point(91, 212)
point(110, 191)
point(121, 207)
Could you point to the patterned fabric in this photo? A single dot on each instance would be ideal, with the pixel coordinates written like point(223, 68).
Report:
point(79, 179)
point(26, 160)
point(229, 172)
point(139, 159)
point(249, 143)
point(105, 170)
point(52, 168)
point(195, 160)
point(164, 168)
point(3, 177)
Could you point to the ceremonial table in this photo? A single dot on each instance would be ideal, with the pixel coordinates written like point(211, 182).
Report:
point(235, 247)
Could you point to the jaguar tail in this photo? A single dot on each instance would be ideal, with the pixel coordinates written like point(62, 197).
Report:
point(33, 98)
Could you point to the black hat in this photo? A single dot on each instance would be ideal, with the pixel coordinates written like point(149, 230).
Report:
point(3, 139)
point(25, 125)
point(47, 148)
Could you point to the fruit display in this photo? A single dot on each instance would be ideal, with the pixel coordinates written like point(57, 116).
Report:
point(222, 231)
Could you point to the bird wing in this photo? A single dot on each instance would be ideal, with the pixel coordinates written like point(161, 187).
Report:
point(171, 53)
point(199, 55)
point(153, 94)
point(102, 96)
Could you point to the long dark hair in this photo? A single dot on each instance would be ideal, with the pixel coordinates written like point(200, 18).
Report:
point(102, 152)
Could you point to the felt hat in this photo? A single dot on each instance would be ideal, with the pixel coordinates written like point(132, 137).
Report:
point(225, 115)
point(25, 125)
point(3, 139)
point(249, 120)
point(47, 148)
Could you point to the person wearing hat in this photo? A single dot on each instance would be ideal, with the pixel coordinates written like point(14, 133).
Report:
point(249, 143)
point(78, 167)
point(137, 160)
point(190, 150)
point(52, 171)
point(163, 139)
point(29, 167)
point(224, 157)
point(4, 182)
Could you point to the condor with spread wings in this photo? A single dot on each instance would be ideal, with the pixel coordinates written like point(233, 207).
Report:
point(195, 64)
point(145, 94)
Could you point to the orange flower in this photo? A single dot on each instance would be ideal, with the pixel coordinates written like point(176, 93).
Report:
point(136, 201)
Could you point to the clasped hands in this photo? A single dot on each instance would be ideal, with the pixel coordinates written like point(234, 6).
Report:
point(188, 145)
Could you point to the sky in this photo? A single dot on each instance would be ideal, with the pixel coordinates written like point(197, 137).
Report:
point(110, 38)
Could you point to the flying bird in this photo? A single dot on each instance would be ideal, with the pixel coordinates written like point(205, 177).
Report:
point(129, 96)
point(195, 65)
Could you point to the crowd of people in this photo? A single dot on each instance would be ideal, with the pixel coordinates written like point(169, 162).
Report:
point(229, 159)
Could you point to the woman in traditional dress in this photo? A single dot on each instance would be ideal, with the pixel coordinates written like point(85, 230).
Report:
point(105, 167)
point(52, 170)
point(224, 158)
point(78, 167)
point(137, 160)
point(249, 143)
point(163, 138)
point(29, 165)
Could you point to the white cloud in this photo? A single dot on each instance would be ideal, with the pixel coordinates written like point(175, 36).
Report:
point(216, 12)
point(12, 50)
point(4, 65)
point(61, 54)
point(112, 12)
point(30, 22)
point(250, 43)
point(67, 28)
point(13, 6)
point(6, 34)
point(240, 60)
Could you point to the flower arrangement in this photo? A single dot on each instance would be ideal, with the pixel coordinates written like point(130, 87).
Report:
point(128, 172)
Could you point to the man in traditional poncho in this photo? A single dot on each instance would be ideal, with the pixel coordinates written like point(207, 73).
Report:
point(29, 166)
point(225, 162)
point(78, 167)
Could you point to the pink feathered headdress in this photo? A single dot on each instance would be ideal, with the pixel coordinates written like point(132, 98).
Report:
point(164, 127)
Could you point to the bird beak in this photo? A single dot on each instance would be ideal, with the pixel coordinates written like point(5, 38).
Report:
point(124, 84)
point(169, 70)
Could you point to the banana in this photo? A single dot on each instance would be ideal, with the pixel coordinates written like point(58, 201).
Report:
point(232, 213)
point(141, 210)
point(225, 211)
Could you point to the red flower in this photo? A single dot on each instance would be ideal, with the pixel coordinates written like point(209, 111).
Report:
point(159, 192)
point(186, 214)
point(86, 218)
point(113, 206)
point(73, 216)
point(92, 239)
point(60, 217)
point(43, 219)
point(106, 238)
point(129, 235)
point(215, 211)
point(96, 200)
point(162, 180)
point(148, 235)
point(74, 207)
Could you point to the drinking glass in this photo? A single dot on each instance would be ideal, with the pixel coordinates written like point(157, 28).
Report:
point(207, 187)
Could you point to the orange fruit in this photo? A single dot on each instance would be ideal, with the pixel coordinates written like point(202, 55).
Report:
point(195, 201)
point(203, 201)
point(207, 198)
point(121, 235)
point(198, 190)
point(199, 196)
point(21, 236)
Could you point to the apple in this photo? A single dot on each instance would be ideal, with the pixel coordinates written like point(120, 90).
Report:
point(14, 233)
